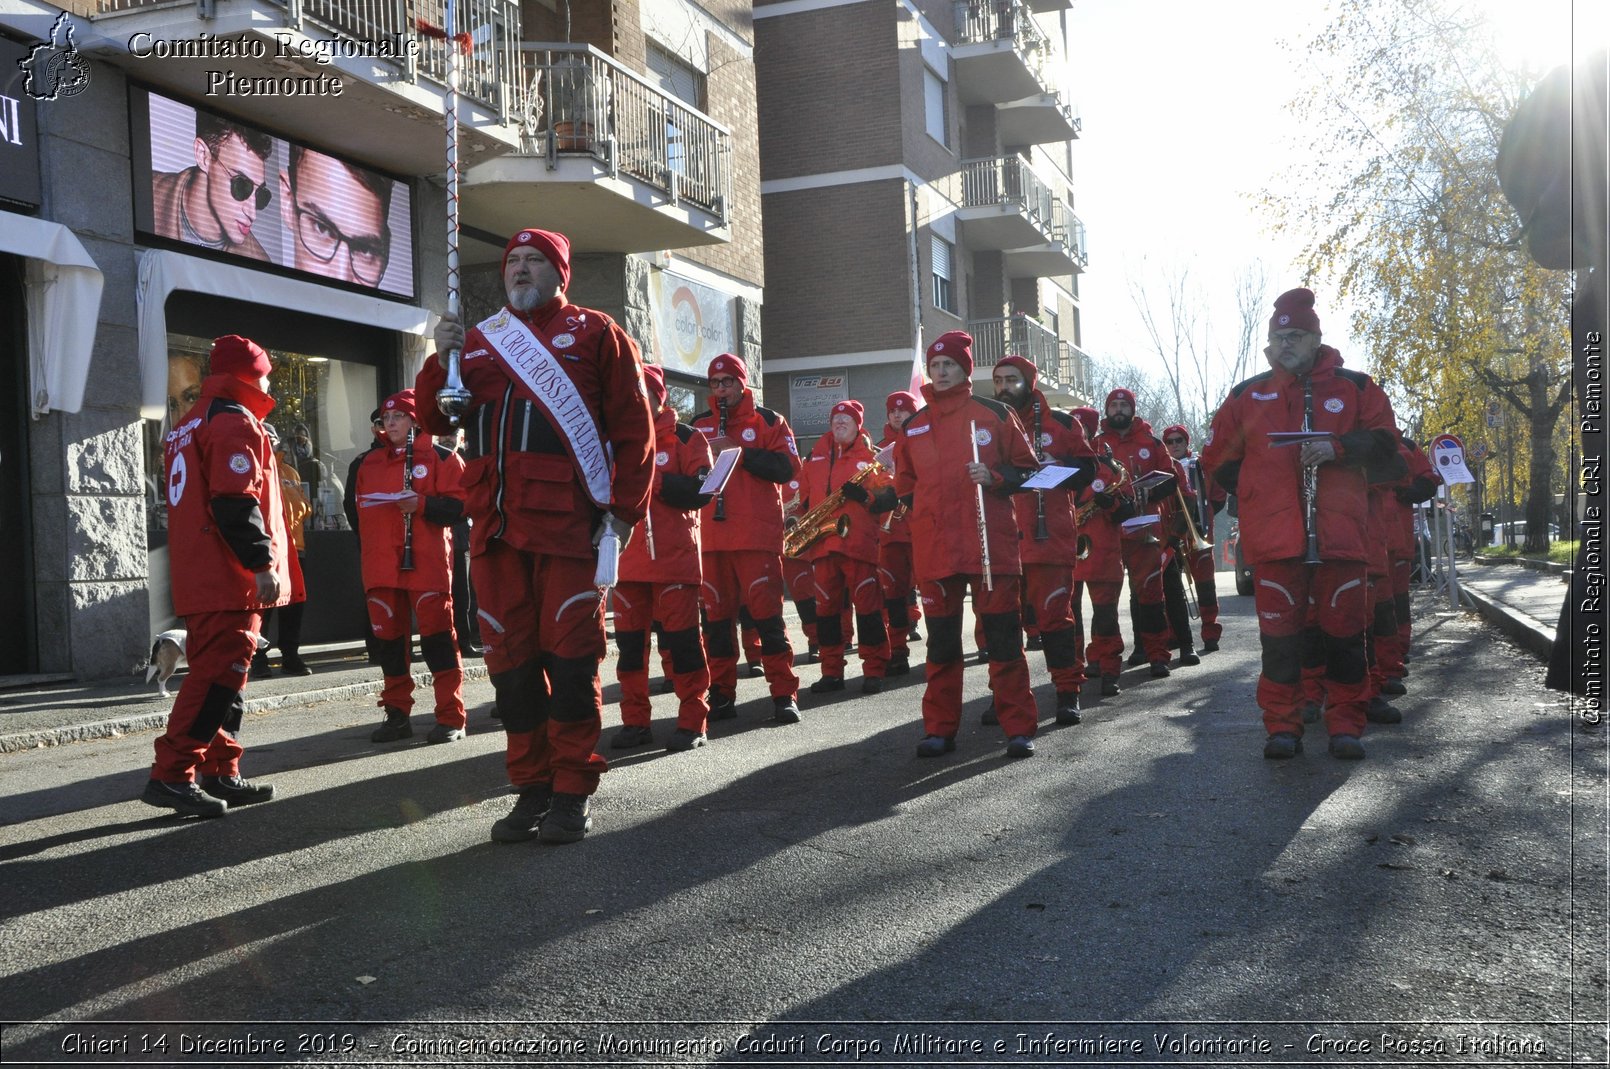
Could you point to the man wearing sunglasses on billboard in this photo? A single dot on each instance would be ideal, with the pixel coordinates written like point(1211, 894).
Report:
point(215, 203)
point(336, 214)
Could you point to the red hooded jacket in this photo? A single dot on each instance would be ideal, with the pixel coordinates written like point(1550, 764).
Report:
point(1140, 451)
point(681, 461)
point(752, 502)
point(1062, 441)
point(827, 469)
point(226, 520)
point(931, 469)
point(439, 480)
point(1268, 479)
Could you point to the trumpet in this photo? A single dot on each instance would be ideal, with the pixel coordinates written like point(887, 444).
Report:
point(818, 521)
point(1195, 543)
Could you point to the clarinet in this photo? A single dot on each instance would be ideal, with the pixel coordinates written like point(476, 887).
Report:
point(1310, 481)
point(1041, 532)
point(721, 436)
point(408, 517)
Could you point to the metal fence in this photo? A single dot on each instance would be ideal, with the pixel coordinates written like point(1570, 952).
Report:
point(979, 21)
point(575, 99)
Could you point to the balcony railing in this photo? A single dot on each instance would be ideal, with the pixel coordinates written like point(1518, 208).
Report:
point(485, 71)
point(1018, 335)
point(1009, 182)
point(577, 100)
point(982, 21)
point(1075, 374)
point(1072, 229)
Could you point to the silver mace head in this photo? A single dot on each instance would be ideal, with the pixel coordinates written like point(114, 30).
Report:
point(453, 399)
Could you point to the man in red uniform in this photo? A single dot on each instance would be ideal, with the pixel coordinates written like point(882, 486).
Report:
point(1049, 539)
point(659, 583)
point(226, 524)
point(1130, 442)
point(1100, 563)
point(741, 532)
point(559, 449)
point(1421, 486)
point(1305, 388)
point(894, 549)
point(954, 547)
point(1210, 499)
point(398, 595)
point(845, 569)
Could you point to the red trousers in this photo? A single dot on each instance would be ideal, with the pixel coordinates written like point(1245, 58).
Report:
point(895, 577)
point(1282, 594)
point(543, 633)
point(1207, 594)
point(1402, 572)
point(1048, 590)
point(1144, 562)
point(200, 736)
point(1008, 670)
point(389, 619)
point(675, 606)
point(799, 576)
point(1386, 653)
point(838, 578)
point(1105, 650)
point(754, 579)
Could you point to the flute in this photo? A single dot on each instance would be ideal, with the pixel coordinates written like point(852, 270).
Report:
point(983, 528)
point(408, 517)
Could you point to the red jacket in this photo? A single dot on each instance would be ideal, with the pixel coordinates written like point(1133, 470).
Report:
point(930, 464)
point(520, 485)
point(1420, 484)
point(898, 521)
point(681, 461)
point(438, 478)
point(752, 502)
point(1140, 452)
point(226, 520)
point(827, 469)
point(1062, 441)
point(1099, 533)
point(1268, 479)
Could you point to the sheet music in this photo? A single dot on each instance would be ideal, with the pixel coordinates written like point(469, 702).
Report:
point(1153, 479)
point(1049, 477)
point(716, 481)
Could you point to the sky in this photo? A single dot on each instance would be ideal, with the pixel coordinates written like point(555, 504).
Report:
point(1183, 104)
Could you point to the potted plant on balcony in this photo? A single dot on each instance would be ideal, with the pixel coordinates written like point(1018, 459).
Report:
point(577, 95)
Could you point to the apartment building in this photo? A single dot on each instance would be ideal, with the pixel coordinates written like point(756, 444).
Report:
point(916, 162)
point(158, 169)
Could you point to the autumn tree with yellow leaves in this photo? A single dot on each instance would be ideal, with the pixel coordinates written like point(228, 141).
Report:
point(1402, 208)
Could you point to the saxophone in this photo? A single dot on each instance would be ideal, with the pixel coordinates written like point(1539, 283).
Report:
point(818, 522)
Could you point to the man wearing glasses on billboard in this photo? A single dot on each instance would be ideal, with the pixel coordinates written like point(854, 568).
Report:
point(337, 214)
point(215, 203)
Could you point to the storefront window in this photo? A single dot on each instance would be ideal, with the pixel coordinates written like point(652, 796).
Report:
point(321, 415)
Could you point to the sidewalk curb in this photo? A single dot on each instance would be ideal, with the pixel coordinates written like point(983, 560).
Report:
point(1532, 634)
point(127, 725)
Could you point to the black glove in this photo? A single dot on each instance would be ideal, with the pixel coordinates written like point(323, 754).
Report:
point(855, 492)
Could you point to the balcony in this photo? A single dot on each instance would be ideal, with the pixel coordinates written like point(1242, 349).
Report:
point(1061, 254)
point(1042, 119)
point(397, 80)
point(605, 156)
point(999, 53)
point(1064, 369)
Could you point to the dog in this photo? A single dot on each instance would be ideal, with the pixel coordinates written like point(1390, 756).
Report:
point(167, 657)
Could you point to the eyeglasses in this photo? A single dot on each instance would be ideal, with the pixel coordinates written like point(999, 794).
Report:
point(240, 187)
point(723, 383)
point(323, 239)
point(1174, 441)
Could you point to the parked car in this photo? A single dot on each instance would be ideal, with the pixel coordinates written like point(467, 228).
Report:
point(1501, 532)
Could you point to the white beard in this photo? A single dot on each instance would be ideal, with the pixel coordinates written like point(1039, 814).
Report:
point(525, 299)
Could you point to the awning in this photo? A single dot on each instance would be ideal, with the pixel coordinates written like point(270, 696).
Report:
point(64, 303)
point(162, 272)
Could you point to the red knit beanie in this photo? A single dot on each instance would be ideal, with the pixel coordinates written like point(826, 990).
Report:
point(1120, 394)
point(1089, 419)
point(956, 344)
point(727, 364)
point(901, 400)
point(852, 409)
point(240, 357)
point(401, 401)
point(1176, 427)
point(1294, 309)
point(553, 245)
point(654, 379)
point(1025, 367)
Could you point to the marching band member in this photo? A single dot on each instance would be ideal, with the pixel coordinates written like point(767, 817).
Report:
point(1131, 443)
point(1210, 500)
point(799, 576)
point(741, 532)
point(846, 568)
point(1422, 486)
point(894, 549)
point(1049, 541)
point(1391, 553)
point(660, 583)
point(940, 480)
point(1100, 568)
point(1304, 513)
point(559, 449)
point(407, 553)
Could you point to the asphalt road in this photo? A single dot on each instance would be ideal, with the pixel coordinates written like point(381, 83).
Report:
point(1145, 889)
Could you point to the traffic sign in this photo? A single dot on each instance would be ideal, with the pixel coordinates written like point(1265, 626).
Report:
point(1478, 451)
